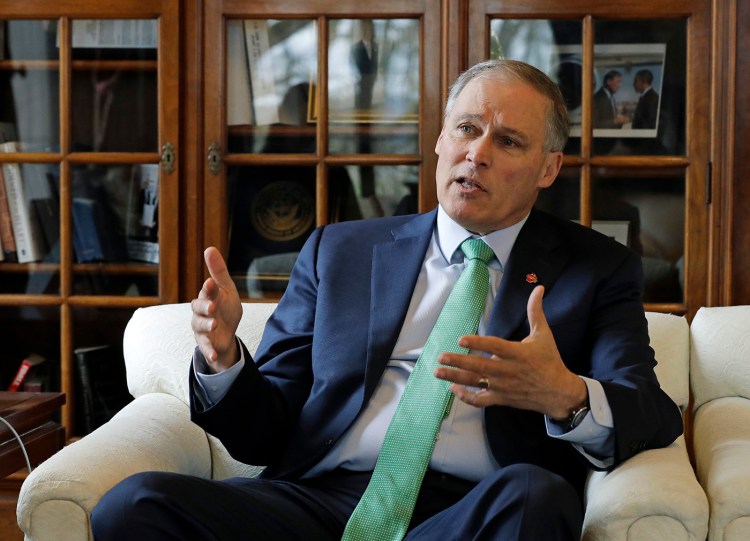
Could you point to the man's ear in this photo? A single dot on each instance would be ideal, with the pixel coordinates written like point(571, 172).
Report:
point(550, 169)
point(439, 141)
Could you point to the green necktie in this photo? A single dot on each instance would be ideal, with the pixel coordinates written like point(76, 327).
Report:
point(386, 507)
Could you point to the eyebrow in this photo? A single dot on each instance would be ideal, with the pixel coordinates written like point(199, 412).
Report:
point(503, 130)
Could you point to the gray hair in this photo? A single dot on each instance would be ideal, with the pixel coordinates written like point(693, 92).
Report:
point(557, 126)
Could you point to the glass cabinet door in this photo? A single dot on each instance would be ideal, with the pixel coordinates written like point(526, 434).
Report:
point(635, 164)
point(88, 183)
point(313, 120)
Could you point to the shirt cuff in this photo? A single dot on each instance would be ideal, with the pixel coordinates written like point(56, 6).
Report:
point(594, 437)
point(211, 388)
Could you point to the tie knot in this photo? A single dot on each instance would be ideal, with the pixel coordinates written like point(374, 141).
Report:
point(477, 249)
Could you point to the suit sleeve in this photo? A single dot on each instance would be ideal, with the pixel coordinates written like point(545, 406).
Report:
point(256, 415)
point(623, 362)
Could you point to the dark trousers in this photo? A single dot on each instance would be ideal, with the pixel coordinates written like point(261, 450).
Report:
point(520, 502)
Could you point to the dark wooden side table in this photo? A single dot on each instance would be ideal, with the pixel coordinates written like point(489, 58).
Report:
point(31, 415)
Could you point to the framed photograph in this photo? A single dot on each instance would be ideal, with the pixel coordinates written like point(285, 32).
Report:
point(373, 72)
point(618, 230)
point(628, 80)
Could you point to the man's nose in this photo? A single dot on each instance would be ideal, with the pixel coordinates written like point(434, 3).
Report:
point(480, 152)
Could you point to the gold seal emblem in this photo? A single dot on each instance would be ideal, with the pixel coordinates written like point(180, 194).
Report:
point(282, 211)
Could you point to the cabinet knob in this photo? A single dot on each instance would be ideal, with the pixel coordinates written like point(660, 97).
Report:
point(214, 159)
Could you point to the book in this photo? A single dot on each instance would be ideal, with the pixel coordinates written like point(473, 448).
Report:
point(101, 386)
point(23, 371)
point(262, 84)
point(239, 101)
point(47, 210)
point(87, 228)
point(114, 33)
point(26, 230)
point(7, 131)
point(6, 224)
point(141, 229)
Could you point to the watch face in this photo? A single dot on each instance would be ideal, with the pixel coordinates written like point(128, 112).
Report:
point(578, 416)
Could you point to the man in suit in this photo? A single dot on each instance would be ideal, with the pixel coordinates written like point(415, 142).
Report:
point(606, 115)
point(558, 379)
point(647, 109)
point(364, 57)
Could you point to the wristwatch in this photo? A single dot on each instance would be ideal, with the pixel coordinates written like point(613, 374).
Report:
point(578, 414)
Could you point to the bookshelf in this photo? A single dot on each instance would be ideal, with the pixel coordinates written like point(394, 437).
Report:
point(89, 118)
point(182, 106)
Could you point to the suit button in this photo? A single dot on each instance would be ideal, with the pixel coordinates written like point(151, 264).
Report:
point(329, 442)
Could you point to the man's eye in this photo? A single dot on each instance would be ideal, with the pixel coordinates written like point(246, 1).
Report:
point(508, 142)
point(465, 128)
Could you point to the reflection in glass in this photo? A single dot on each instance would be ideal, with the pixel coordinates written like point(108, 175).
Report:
point(648, 208)
point(369, 192)
point(373, 86)
point(26, 330)
point(30, 89)
point(271, 75)
point(271, 214)
point(115, 222)
point(115, 86)
point(121, 110)
point(563, 198)
point(552, 46)
point(639, 75)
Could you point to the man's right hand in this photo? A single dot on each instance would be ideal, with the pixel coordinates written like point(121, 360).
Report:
point(216, 314)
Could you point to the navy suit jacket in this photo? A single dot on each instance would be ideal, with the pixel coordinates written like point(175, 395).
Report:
point(603, 115)
point(327, 344)
point(647, 110)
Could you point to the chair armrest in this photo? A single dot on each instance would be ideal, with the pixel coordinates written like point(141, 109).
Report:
point(722, 446)
point(152, 433)
point(654, 495)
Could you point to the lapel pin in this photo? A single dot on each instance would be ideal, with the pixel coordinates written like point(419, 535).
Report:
point(531, 278)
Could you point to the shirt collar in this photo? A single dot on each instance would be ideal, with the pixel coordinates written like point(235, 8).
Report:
point(450, 235)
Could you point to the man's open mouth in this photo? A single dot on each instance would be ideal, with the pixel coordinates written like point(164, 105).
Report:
point(469, 184)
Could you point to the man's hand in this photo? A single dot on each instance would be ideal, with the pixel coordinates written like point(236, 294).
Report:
point(527, 375)
point(216, 314)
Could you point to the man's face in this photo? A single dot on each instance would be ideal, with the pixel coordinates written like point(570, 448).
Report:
point(614, 83)
point(639, 85)
point(491, 160)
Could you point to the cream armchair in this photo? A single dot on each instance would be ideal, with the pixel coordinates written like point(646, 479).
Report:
point(720, 379)
point(654, 496)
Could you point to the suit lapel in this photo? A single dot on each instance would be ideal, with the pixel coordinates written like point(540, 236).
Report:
point(395, 269)
point(537, 258)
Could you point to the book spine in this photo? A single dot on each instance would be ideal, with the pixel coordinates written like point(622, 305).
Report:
point(86, 242)
point(263, 86)
point(23, 370)
point(25, 228)
point(239, 110)
point(87, 393)
point(6, 225)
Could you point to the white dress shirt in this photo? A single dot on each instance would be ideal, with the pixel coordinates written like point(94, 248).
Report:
point(462, 448)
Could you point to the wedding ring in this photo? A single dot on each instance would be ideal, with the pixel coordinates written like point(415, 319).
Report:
point(483, 383)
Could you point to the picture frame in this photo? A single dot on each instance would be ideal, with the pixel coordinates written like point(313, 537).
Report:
point(627, 62)
point(618, 230)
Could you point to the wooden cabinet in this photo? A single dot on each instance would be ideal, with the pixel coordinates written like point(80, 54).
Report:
point(264, 119)
point(342, 118)
point(90, 107)
point(641, 180)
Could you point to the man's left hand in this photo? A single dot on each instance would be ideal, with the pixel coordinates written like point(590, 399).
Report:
point(527, 375)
